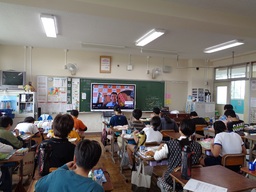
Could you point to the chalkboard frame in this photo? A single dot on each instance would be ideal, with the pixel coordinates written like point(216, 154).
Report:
point(149, 94)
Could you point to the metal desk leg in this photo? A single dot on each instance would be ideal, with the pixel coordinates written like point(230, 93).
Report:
point(112, 147)
point(250, 149)
point(173, 184)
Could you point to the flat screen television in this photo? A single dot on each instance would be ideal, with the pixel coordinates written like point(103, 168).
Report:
point(12, 79)
point(104, 96)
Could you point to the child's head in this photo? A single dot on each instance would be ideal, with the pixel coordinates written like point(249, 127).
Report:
point(219, 126)
point(230, 113)
point(187, 127)
point(74, 113)
point(228, 106)
point(155, 122)
point(193, 114)
point(137, 113)
point(156, 110)
point(5, 121)
point(87, 154)
point(117, 109)
point(29, 120)
point(62, 125)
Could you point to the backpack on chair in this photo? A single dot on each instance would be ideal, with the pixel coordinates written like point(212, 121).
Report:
point(43, 158)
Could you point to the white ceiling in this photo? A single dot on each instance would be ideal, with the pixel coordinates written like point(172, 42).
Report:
point(191, 25)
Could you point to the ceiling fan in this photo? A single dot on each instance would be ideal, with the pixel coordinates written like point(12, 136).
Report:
point(72, 68)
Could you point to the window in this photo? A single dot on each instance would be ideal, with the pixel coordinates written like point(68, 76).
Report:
point(222, 95)
point(221, 73)
point(237, 89)
point(238, 71)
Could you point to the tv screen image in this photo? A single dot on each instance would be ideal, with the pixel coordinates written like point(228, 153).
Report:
point(105, 96)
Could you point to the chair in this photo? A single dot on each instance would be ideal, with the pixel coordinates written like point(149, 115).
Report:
point(165, 134)
point(233, 161)
point(200, 128)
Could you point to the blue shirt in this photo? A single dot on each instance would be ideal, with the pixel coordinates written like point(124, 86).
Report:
point(65, 180)
point(111, 104)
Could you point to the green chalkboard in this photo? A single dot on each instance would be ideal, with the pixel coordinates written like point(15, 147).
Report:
point(149, 94)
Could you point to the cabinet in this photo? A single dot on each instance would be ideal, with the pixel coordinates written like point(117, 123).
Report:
point(203, 109)
point(26, 104)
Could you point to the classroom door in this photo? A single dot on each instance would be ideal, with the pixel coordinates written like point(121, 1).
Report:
point(222, 95)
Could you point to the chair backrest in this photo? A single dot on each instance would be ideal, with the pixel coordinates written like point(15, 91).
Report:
point(151, 144)
point(200, 127)
point(166, 131)
point(233, 159)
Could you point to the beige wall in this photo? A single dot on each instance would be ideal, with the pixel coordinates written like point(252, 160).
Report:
point(44, 61)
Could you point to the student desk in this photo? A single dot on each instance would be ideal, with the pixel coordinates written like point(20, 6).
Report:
point(176, 135)
point(27, 139)
point(217, 175)
point(17, 159)
point(252, 141)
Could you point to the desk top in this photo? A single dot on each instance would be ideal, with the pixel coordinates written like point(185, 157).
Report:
point(13, 158)
point(250, 137)
point(220, 176)
point(176, 135)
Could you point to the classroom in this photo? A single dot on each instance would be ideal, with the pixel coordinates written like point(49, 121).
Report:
point(96, 44)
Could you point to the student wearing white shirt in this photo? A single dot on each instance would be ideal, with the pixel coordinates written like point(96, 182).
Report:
point(152, 134)
point(27, 126)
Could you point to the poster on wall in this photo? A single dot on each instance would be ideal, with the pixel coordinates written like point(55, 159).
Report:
point(52, 94)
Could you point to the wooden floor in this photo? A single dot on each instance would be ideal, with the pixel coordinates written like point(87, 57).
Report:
point(121, 182)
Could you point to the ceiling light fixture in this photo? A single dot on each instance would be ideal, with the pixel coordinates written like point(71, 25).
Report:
point(150, 36)
point(104, 46)
point(50, 25)
point(223, 46)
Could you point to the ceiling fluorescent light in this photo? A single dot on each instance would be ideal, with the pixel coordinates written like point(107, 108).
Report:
point(150, 36)
point(223, 46)
point(50, 25)
point(99, 45)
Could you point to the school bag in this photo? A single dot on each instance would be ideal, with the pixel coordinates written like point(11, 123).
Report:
point(104, 136)
point(43, 158)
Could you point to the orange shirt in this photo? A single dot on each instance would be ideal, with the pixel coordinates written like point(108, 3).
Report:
point(78, 124)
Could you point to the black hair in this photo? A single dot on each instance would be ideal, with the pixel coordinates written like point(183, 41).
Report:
point(87, 153)
point(137, 113)
point(219, 126)
point(187, 127)
point(166, 115)
point(114, 93)
point(155, 122)
point(230, 112)
point(29, 120)
point(156, 110)
point(5, 121)
point(228, 106)
point(117, 108)
point(62, 125)
point(74, 112)
point(193, 113)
